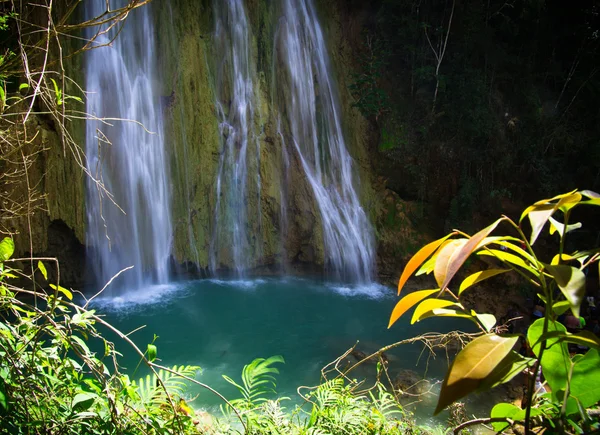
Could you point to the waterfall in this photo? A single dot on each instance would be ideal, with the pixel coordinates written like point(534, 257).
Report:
point(235, 95)
point(128, 204)
point(307, 98)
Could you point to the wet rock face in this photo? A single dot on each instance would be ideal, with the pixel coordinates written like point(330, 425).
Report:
point(71, 254)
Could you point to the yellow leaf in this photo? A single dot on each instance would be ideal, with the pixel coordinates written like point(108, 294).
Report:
point(427, 306)
point(478, 277)
point(507, 257)
point(407, 302)
point(418, 259)
point(63, 290)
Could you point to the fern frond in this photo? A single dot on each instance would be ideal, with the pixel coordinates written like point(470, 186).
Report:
point(151, 391)
point(258, 380)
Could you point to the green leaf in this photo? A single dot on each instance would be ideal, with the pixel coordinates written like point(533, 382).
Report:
point(477, 277)
point(83, 401)
point(555, 360)
point(585, 380)
point(3, 398)
point(472, 366)
point(23, 86)
point(407, 302)
point(7, 248)
point(151, 350)
point(571, 282)
point(418, 259)
point(63, 290)
point(506, 370)
point(583, 338)
point(42, 269)
point(561, 307)
point(503, 410)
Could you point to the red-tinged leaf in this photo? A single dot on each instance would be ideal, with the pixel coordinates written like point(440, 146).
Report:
point(571, 282)
point(472, 366)
point(409, 301)
point(477, 277)
point(458, 260)
point(444, 259)
point(429, 305)
point(418, 259)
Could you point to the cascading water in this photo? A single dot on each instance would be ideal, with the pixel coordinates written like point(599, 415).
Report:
point(129, 217)
point(235, 95)
point(312, 111)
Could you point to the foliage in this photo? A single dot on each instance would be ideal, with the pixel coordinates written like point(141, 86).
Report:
point(490, 359)
point(370, 98)
point(51, 381)
point(336, 407)
point(516, 98)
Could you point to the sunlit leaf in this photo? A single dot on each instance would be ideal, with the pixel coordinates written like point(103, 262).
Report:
point(509, 258)
point(444, 259)
point(540, 212)
point(517, 249)
point(506, 370)
point(407, 302)
point(571, 282)
point(151, 351)
point(63, 290)
point(557, 226)
point(561, 307)
point(459, 259)
point(7, 248)
point(583, 338)
point(23, 86)
point(418, 259)
point(594, 198)
point(557, 259)
point(487, 320)
point(42, 269)
point(429, 305)
point(477, 277)
point(427, 267)
point(472, 365)
point(555, 360)
point(503, 410)
point(585, 380)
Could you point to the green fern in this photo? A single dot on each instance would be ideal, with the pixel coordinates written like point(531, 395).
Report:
point(152, 393)
point(258, 380)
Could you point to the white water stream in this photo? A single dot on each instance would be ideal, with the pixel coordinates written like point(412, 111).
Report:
point(312, 112)
point(129, 222)
point(235, 107)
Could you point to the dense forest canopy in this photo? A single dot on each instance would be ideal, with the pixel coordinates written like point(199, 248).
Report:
point(483, 101)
